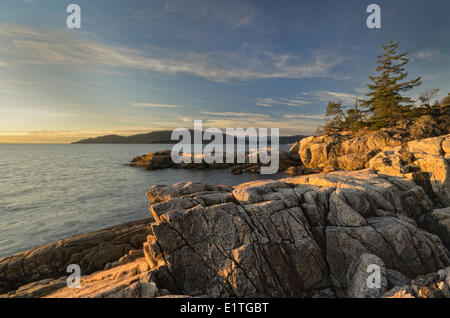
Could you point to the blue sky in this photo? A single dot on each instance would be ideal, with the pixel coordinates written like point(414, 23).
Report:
point(138, 66)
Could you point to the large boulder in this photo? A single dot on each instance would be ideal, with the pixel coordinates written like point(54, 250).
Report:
point(431, 285)
point(398, 242)
point(344, 152)
point(438, 222)
point(369, 279)
point(154, 160)
point(251, 248)
point(424, 163)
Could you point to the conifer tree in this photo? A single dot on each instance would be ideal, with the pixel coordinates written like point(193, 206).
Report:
point(335, 117)
point(354, 119)
point(386, 103)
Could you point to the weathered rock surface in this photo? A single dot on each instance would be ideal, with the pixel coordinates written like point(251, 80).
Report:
point(352, 150)
point(422, 162)
point(92, 251)
point(37, 289)
point(132, 280)
point(295, 171)
point(162, 159)
point(307, 236)
point(438, 222)
point(154, 160)
point(366, 266)
point(432, 285)
point(128, 258)
point(343, 152)
point(346, 152)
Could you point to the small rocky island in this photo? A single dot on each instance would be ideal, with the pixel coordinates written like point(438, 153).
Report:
point(288, 163)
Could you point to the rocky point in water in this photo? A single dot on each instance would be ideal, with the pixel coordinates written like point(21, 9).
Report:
point(162, 159)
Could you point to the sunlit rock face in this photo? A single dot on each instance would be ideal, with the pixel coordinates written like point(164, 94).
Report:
point(344, 152)
point(422, 162)
point(296, 237)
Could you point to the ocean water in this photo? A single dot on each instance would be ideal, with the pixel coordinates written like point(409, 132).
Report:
point(51, 192)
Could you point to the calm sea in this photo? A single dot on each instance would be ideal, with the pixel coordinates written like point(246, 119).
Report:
point(50, 192)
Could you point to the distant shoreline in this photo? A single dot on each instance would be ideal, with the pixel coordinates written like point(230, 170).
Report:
point(159, 137)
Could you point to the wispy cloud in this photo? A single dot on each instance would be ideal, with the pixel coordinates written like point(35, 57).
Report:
point(301, 116)
point(308, 98)
point(428, 55)
point(153, 105)
point(325, 96)
point(235, 114)
point(26, 45)
point(293, 102)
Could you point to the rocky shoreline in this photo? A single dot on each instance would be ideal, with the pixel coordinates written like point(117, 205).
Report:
point(306, 236)
point(92, 251)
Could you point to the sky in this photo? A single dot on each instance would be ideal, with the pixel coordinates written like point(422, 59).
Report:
point(140, 66)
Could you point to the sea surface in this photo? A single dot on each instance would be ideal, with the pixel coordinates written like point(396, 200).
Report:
point(51, 192)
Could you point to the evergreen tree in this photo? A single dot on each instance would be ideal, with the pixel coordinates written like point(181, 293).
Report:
point(386, 104)
point(335, 117)
point(354, 118)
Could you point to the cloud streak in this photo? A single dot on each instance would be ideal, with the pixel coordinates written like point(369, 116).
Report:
point(153, 105)
point(272, 101)
point(26, 45)
point(302, 116)
point(325, 96)
point(428, 55)
point(304, 99)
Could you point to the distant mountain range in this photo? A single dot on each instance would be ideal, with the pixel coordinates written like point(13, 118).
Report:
point(157, 137)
